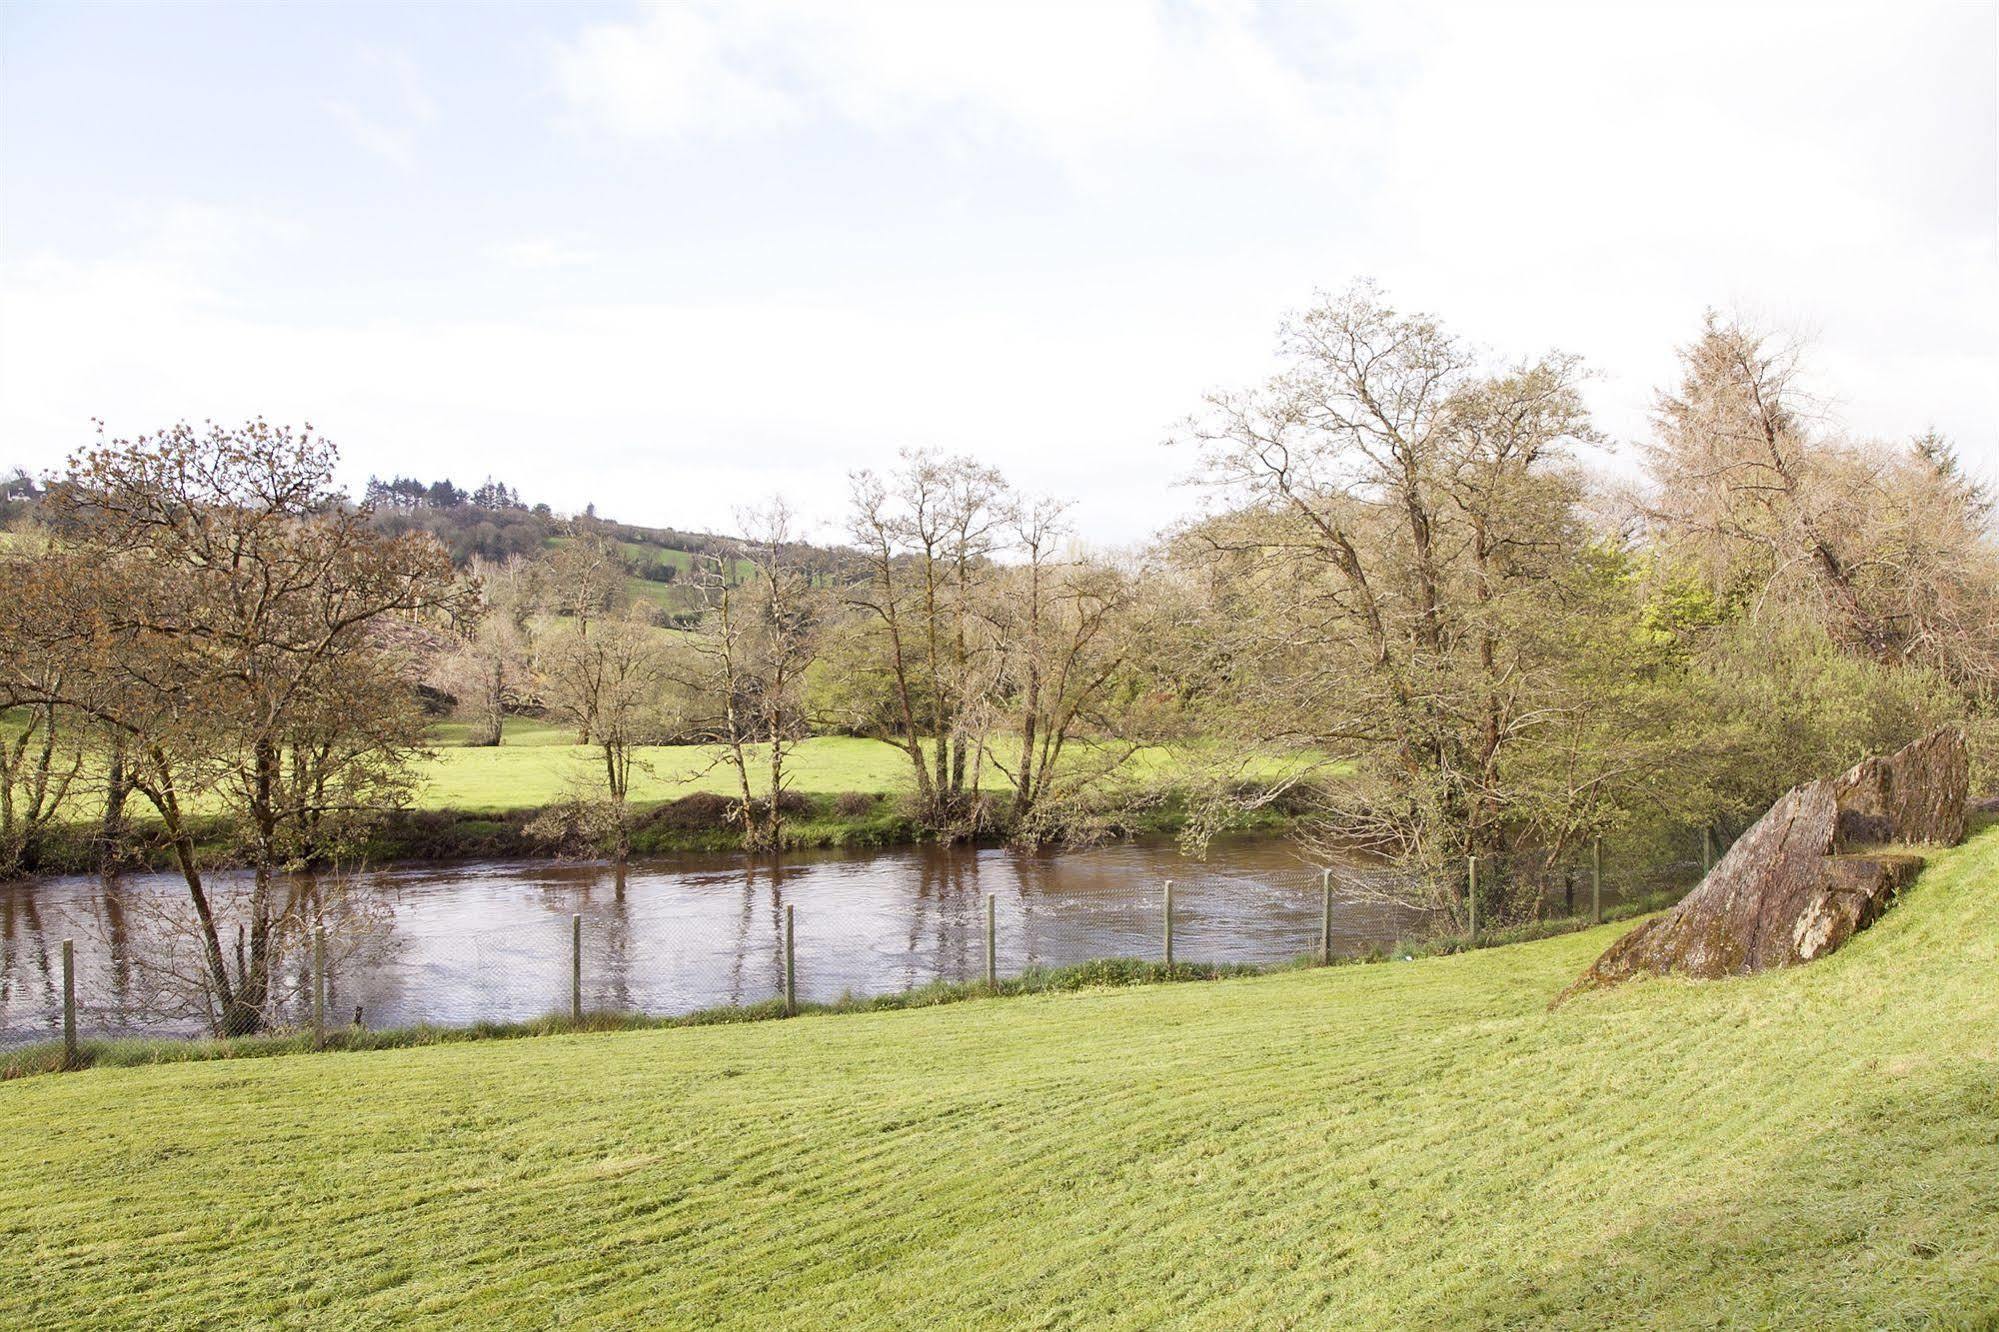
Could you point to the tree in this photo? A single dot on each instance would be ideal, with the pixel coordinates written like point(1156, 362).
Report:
point(1401, 530)
point(583, 580)
point(611, 684)
point(757, 641)
point(926, 534)
point(1886, 552)
point(1057, 625)
point(42, 751)
point(1741, 484)
point(490, 670)
point(215, 601)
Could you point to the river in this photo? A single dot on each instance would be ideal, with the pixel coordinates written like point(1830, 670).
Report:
point(457, 944)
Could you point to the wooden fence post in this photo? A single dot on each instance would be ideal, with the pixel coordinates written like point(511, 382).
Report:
point(790, 964)
point(1326, 917)
point(1471, 898)
point(992, 952)
point(1596, 882)
point(1707, 850)
point(69, 1052)
point(1168, 913)
point(319, 987)
point(576, 968)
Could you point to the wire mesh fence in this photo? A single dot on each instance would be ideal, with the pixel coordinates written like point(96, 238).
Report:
point(573, 939)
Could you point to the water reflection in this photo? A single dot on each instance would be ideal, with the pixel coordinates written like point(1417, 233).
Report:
point(458, 944)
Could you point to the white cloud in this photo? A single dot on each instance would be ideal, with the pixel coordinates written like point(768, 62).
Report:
point(1081, 82)
point(1594, 177)
point(541, 253)
point(395, 145)
point(391, 132)
point(655, 411)
point(1589, 180)
point(680, 70)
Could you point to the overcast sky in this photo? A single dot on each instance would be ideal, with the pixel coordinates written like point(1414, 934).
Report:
point(675, 259)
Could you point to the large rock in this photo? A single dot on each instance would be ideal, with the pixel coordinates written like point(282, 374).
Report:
point(1809, 875)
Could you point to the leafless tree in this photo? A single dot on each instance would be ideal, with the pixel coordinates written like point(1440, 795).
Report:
point(927, 533)
point(759, 637)
point(211, 597)
point(611, 684)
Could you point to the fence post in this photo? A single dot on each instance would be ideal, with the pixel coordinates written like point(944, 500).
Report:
point(1471, 898)
point(992, 952)
point(1169, 925)
point(319, 987)
point(1707, 850)
point(1596, 882)
point(790, 964)
point(1326, 917)
point(69, 1055)
point(576, 967)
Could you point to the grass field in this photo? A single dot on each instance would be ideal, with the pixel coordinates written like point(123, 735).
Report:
point(539, 763)
point(1402, 1145)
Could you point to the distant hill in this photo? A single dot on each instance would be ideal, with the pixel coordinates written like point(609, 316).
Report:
point(494, 522)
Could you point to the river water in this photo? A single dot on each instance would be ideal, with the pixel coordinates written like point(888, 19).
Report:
point(458, 944)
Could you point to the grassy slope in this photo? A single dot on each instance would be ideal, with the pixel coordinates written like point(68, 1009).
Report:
point(1417, 1144)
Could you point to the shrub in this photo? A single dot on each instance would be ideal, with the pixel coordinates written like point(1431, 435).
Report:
point(855, 804)
point(703, 809)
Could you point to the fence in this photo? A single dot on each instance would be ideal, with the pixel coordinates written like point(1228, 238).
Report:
point(667, 948)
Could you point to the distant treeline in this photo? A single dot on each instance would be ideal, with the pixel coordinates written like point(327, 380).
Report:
point(493, 522)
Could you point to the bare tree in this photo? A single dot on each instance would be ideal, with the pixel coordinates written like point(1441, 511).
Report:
point(1399, 522)
point(927, 534)
point(585, 579)
point(611, 684)
point(758, 639)
point(491, 668)
point(212, 598)
point(1889, 549)
point(1058, 627)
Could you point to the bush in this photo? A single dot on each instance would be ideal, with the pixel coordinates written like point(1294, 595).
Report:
point(855, 804)
point(702, 810)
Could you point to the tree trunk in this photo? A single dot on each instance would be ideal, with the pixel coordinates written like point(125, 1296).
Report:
point(111, 830)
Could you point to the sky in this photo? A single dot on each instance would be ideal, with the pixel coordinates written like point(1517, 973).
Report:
point(673, 260)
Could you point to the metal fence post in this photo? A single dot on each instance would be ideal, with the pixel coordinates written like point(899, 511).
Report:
point(1596, 882)
point(992, 953)
point(576, 967)
point(1326, 917)
point(790, 964)
point(1471, 897)
point(1169, 924)
point(319, 987)
point(69, 1055)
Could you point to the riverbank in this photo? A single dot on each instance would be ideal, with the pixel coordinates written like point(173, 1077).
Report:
point(1419, 1144)
point(696, 823)
point(479, 803)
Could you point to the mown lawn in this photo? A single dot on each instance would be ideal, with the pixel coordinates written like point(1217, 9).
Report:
point(1402, 1145)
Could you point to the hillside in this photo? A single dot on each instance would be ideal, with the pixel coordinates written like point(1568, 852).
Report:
point(1408, 1144)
